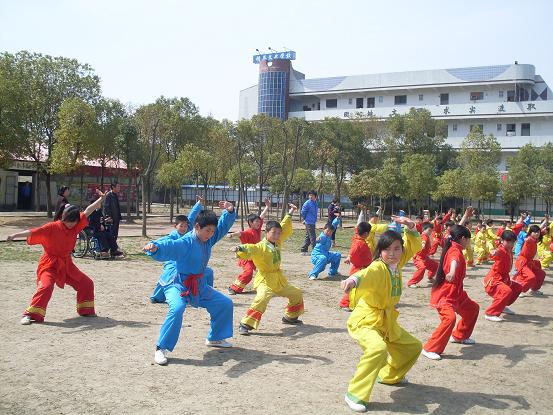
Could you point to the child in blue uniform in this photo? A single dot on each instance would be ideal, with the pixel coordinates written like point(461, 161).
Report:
point(187, 284)
point(321, 255)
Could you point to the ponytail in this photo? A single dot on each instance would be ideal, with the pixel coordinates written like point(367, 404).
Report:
point(455, 234)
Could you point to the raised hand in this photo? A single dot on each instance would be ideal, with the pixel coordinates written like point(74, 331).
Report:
point(403, 220)
point(267, 202)
point(200, 199)
point(225, 204)
point(292, 207)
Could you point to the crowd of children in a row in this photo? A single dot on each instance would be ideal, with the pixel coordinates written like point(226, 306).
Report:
point(371, 291)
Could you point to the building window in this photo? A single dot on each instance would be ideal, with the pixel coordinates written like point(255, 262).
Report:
point(500, 94)
point(444, 99)
point(359, 103)
point(370, 102)
point(454, 127)
point(499, 127)
point(421, 96)
point(350, 101)
point(400, 99)
point(332, 103)
point(476, 128)
point(318, 106)
point(510, 96)
point(525, 129)
point(380, 99)
point(306, 108)
point(476, 96)
point(511, 130)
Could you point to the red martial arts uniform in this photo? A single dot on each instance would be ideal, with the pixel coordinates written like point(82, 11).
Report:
point(249, 236)
point(56, 268)
point(517, 228)
point(437, 237)
point(498, 284)
point(361, 257)
point(529, 272)
point(450, 298)
point(423, 262)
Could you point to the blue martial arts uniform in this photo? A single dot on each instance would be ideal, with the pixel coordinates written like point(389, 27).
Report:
point(321, 255)
point(190, 257)
point(169, 267)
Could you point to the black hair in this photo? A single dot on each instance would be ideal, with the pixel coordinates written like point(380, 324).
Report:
point(272, 224)
point(181, 218)
point(419, 217)
point(335, 200)
point(455, 234)
point(68, 213)
point(489, 222)
point(312, 192)
point(62, 190)
point(363, 228)
point(427, 225)
point(535, 228)
point(506, 223)
point(113, 184)
point(508, 236)
point(251, 217)
point(374, 215)
point(206, 218)
point(385, 241)
point(449, 223)
point(328, 225)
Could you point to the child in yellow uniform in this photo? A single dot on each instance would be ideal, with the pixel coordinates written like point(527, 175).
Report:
point(468, 252)
point(376, 228)
point(388, 350)
point(269, 280)
point(481, 244)
point(545, 246)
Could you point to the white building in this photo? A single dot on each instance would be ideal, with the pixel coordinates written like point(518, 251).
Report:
point(509, 101)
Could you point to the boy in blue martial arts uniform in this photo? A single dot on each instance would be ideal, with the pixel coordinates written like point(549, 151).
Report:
point(187, 286)
point(321, 255)
point(183, 225)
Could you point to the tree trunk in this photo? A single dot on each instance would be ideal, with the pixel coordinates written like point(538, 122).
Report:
point(37, 188)
point(171, 205)
point(82, 184)
point(144, 192)
point(102, 168)
point(48, 193)
point(129, 200)
point(149, 192)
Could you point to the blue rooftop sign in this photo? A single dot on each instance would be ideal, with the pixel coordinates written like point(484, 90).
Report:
point(288, 55)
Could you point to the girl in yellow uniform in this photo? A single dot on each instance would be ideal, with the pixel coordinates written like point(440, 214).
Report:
point(481, 244)
point(468, 252)
point(388, 350)
point(545, 247)
point(269, 280)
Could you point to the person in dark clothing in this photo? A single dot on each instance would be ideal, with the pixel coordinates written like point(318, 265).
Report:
point(333, 211)
point(99, 229)
point(112, 213)
point(63, 194)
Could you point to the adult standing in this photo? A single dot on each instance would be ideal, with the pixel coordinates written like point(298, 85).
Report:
point(112, 212)
point(309, 213)
point(333, 211)
point(63, 195)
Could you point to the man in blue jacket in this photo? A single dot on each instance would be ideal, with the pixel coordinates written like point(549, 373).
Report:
point(309, 213)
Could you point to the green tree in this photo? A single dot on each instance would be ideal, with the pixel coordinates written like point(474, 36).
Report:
point(420, 177)
point(129, 150)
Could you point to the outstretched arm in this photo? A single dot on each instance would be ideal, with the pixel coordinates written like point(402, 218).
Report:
point(466, 216)
point(266, 210)
point(97, 204)
point(225, 221)
point(22, 234)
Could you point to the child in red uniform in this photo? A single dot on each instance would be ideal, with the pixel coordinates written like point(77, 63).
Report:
point(529, 273)
point(359, 256)
point(252, 235)
point(55, 266)
point(437, 239)
point(449, 298)
point(497, 282)
point(421, 260)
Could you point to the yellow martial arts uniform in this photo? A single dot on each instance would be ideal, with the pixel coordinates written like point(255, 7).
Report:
point(491, 237)
point(269, 280)
point(481, 246)
point(388, 350)
point(371, 239)
point(544, 248)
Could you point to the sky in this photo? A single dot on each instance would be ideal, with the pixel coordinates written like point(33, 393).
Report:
point(203, 50)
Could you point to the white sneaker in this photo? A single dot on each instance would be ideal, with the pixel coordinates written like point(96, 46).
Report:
point(507, 310)
point(313, 277)
point(496, 319)
point(465, 341)
point(413, 286)
point(25, 320)
point(524, 294)
point(217, 343)
point(356, 407)
point(535, 292)
point(431, 355)
point(161, 356)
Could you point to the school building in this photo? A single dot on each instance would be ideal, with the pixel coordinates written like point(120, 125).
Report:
point(512, 102)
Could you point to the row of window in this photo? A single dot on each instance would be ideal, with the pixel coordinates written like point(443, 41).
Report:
point(520, 94)
point(510, 129)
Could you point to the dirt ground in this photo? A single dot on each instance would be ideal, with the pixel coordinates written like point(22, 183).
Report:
point(104, 365)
